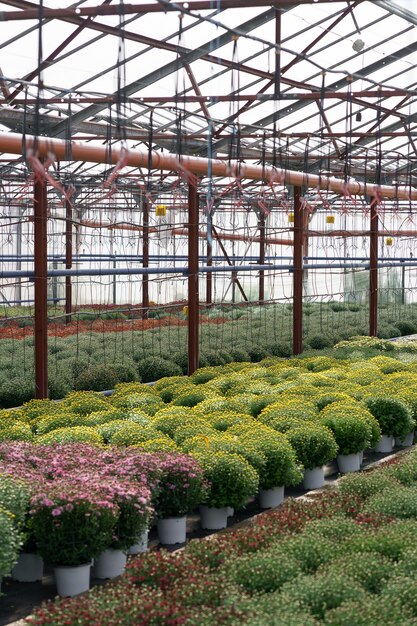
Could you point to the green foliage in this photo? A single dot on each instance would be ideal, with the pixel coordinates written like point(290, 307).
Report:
point(192, 427)
point(14, 497)
point(367, 611)
point(222, 442)
point(101, 376)
point(223, 420)
point(130, 434)
point(366, 484)
point(299, 410)
point(158, 444)
point(16, 390)
point(153, 367)
point(314, 445)
point(405, 471)
point(60, 420)
point(406, 327)
point(10, 542)
point(11, 430)
point(311, 550)
point(217, 404)
point(394, 417)
point(79, 434)
point(262, 572)
point(168, 419)
point(323, 592)
point(232, 480)
point(324, 399)
point(392, 540)
point(369, 570)
point(193, 397)
point(84, 402)
point(204, 374)
point(318, 342)
point(281, 462)
point(281, 349)
point(147, 402)
point(394, 501)
point(351, 435)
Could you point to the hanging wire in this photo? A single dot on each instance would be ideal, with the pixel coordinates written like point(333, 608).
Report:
point(39, 92)
point(121, 78)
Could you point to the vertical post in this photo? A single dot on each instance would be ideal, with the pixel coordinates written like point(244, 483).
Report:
point(209, 257)
point(373, 269)
point(145, 258)
point(193, 334)
point(297, 338)
point(68, 261)
point(41, 277)
point(261, 224)
point(18, 291)
point(305, 249)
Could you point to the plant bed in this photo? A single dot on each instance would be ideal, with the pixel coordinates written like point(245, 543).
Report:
point(19, 602)
point(291, 529)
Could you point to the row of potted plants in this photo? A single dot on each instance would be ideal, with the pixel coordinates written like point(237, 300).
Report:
point(344, 558)
point(208, 416)
point(78, 502)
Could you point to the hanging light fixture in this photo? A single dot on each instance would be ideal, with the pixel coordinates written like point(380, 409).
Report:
point(358, 45)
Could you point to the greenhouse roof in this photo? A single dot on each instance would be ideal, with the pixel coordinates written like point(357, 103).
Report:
point(321, 86)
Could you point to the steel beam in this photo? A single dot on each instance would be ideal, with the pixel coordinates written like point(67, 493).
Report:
point(193, 5)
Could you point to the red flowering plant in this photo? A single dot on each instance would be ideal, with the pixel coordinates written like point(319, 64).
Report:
point(72, 522)
point(182, 486)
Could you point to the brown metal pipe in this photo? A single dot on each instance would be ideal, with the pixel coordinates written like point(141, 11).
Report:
point(209, 263)
point(297, 297)
point(193, 294)
point(12, 143)
point(145, 258)
point(41, 289)
point(373, 269)
point(68, 260)
point(261, 225)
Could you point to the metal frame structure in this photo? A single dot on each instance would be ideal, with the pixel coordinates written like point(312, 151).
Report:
point(314, 94)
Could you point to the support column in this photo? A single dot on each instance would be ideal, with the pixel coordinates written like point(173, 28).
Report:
point(145, 258)
point(373, 269)
point(261, 224)
point(297, 338)
point(209, 259)
point(18, 290)
point(68, 261)
point(41, 290)
point(193, 304)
